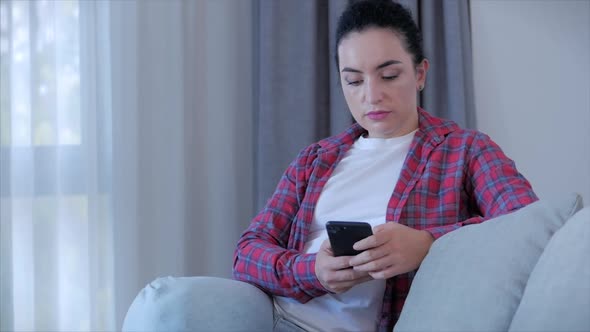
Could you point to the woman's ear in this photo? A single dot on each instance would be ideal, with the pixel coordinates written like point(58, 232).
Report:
point(421, 70)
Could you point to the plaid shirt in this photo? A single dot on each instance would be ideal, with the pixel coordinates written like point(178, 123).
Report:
point(451, 177)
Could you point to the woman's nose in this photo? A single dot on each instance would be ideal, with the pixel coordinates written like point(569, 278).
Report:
point(373, 93)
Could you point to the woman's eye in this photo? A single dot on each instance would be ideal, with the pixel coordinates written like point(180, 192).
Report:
point(389, 78)
point(354, 83)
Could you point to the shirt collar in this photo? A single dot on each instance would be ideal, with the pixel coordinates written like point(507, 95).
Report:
point(433, 129)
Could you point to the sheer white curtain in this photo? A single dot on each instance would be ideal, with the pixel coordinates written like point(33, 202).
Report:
point(126, 152)
point(56, 260)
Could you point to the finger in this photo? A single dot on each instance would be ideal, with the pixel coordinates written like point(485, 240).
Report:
point(351, 278)
point(337, 263)
point(343, 286)
point(326, 247)
point(347, 284)
point(369, 242)
point(387, 226)
point(368, 256)
point(361, 279)
point(380, 228)
point(386, 273)
point(348, 274)
point(376, 265)
point(364, 279)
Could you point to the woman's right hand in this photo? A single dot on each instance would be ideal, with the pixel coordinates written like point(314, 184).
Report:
point(336, 273)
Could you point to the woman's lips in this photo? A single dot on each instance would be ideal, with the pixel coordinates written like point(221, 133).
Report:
point(377, 115)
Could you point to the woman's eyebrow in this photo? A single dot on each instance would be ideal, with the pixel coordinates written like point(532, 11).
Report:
point(387, 63)
point(348, 69)
point(384, 64)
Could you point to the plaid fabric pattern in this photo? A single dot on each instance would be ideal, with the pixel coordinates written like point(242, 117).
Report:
point(451, 177)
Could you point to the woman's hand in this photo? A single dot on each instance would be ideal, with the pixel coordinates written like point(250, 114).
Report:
point(393, 249)
point(336, 273)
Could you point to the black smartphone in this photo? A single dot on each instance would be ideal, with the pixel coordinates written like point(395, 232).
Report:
point(343, 234)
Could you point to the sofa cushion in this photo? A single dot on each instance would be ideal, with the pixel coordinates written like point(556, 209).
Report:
point(473, 278)
point(557, 295)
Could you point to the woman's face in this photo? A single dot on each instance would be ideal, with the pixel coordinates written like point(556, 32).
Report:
point(380, 82)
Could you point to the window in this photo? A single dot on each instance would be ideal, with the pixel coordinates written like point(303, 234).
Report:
point(53, 195)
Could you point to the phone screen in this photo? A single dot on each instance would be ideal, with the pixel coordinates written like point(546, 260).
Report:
point(344, 234)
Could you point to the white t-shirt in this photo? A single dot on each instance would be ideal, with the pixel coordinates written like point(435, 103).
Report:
point(359, 189)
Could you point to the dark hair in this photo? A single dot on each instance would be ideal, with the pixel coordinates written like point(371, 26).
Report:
point(361, 15)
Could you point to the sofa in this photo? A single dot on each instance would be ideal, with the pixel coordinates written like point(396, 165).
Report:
point(528, 270)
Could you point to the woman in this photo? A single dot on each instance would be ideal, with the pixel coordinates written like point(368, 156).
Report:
point(412, 176)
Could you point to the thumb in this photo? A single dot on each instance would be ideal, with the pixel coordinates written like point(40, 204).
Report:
point(326, 245)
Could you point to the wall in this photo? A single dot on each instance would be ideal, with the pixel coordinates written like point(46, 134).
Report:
point(532, 88)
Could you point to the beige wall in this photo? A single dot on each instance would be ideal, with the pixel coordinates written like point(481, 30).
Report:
point(532, 88)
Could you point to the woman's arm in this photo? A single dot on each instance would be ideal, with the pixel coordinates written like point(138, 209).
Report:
point(262, 257)
point(493, 182)
point(494, 186)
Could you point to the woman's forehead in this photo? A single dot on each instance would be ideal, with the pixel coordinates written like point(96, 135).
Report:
point(370, 48)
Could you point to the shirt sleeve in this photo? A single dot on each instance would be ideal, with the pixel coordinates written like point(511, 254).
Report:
point(493, 183)
point(262, 257)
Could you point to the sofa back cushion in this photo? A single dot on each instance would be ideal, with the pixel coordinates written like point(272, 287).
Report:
point(473, 278)
point(557, 295)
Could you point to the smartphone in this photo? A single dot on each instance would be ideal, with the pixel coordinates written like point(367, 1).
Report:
point(343, 234)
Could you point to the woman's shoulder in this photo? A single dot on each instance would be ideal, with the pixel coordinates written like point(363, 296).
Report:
point(343, 139)
point(469, 140)
point(332, 145)
point(467, 134)
point(448, 131)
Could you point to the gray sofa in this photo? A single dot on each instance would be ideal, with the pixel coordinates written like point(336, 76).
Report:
point(525, 271)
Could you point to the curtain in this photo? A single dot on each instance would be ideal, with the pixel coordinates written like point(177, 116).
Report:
point(182, 121)
point(57, 253)
point(446, 33)
point(126, 152)
point(298, 95)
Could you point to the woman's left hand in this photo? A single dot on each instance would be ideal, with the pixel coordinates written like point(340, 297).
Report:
point(393, 249)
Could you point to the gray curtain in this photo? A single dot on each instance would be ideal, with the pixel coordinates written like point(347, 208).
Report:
point(297, 94)
point(446, 33)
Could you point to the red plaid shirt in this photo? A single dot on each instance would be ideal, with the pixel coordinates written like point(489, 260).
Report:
point(451, 177)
